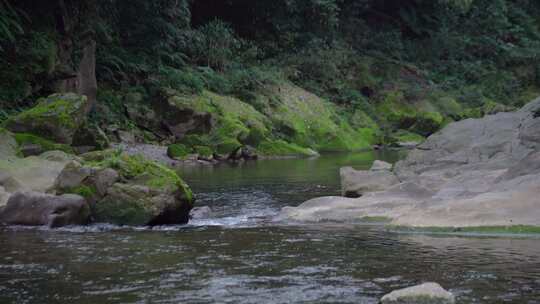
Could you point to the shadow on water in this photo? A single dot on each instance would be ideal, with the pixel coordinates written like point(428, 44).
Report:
point(237, 259)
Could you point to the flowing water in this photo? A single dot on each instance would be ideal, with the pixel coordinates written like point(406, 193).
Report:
point(238, 256)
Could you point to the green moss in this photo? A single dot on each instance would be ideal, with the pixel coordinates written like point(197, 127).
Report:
point(84, 191)
point(58, 108)
point(177, 151)
point(516, 229)
point(56, 117)
point(192, 140)
point(139, 170)
point(204, 151)
point(406, 136)
point(307, 120)
point(396, 111)
point(290, 113)
point(133, 208)
point(427, 123)
point(46, 145)
point(361, 120)
point(227, 146)
point(236, 122)
point(283, 148)
point(448, 105)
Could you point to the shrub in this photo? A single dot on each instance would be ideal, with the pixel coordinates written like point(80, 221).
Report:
point(185, 81)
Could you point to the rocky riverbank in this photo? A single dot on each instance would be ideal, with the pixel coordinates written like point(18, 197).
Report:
point(474, 173)
point(58, 188)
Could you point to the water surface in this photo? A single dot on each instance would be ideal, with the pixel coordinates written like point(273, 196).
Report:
point(237, 256)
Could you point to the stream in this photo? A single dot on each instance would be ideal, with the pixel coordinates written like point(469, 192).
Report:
point(238, 255)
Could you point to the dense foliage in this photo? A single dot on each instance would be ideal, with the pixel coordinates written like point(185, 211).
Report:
point(356, 53)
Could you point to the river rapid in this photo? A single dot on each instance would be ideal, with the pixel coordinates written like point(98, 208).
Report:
point(240, 255)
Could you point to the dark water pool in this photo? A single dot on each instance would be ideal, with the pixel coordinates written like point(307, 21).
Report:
point(238, 257)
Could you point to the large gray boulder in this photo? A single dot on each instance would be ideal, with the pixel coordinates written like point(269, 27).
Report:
point(38, 209)
point(35, 173)
point(355, 183)
point(427, 293)
point(476, 172)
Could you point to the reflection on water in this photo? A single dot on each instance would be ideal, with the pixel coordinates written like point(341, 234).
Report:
point(236, 258)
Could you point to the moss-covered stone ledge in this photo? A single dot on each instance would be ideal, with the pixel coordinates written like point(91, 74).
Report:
point(55, 118)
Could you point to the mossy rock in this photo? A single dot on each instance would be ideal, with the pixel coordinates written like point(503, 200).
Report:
point(90, 135)
point(228, 146)
point(55, 118)
point(192, 140)
point(282, 148)
point(406, 136)
point(136, 205)
point(395, 110)
point(204, 151)
point(448, 106)
point(307, 120)
point(45, 144)
point(139, 170)
point(148, 193)
point(177, 151)
point(427, 123)
point(82, 190)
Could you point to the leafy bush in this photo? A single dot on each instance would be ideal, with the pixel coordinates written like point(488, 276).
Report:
point(185, 81)
point(214, 45)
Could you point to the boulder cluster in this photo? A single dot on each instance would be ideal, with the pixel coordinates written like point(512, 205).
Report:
point(42, 182)
point(473, 173)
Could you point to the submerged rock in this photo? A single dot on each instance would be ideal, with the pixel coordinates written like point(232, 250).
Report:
point(37, 209)
point(427, 293)
point(198, 213)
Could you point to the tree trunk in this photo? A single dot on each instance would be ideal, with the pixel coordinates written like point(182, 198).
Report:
point(74, 19)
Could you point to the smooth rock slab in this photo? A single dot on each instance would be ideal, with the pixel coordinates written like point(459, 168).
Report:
point(427, 293)
point(38, 209)
point(380, 165)
point(355, 183)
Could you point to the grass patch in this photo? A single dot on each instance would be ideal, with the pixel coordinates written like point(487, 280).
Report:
point(84, 191)
point(283, 148)
point(177, 151)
